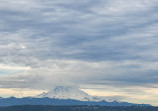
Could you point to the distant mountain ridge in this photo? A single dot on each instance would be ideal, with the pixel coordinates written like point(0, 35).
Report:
point(62, 92)
point(12, 101)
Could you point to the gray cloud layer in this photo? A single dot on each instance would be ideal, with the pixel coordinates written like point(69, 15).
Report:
point(104, 42)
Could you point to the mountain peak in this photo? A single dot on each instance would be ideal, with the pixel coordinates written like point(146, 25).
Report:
point(64, 88)
point(66, 92)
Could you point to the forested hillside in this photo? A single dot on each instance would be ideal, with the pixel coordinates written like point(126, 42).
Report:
point(77, 108)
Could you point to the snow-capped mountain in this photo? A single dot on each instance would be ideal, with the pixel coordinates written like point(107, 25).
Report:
point(61, 92)
point(64, 96)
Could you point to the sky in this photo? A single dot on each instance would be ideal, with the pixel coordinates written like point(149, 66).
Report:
point(104, 47)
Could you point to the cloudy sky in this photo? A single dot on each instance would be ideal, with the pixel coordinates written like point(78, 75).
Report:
point(105, 47)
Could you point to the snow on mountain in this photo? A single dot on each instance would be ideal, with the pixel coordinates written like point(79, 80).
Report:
point(61, 92)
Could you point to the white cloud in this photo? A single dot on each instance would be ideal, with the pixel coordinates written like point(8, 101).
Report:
point(121, 7)
point(12, 67)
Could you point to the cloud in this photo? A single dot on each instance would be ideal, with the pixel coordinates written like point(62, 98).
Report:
point(13, 68)
point(49, 73)
point(18, 92)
